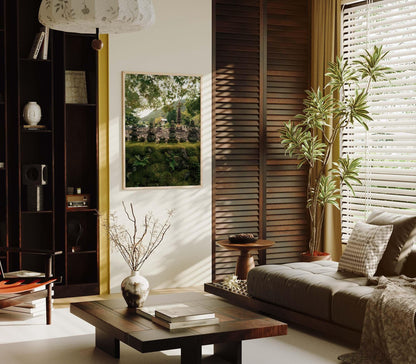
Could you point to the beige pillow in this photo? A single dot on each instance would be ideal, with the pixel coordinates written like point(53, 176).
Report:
point(400, 243)
point(365, 247)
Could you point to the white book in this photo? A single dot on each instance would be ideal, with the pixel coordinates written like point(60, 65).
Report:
point(29, 314)
point(27, 310)
point(45, 44)
point(33, 304)
point(37, 43)
point(180, 314)
point(149, 311)
point(185, 324)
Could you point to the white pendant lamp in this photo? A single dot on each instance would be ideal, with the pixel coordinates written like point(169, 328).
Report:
point(91, 16)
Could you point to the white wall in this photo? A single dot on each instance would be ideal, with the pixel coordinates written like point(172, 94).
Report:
point(179, 42)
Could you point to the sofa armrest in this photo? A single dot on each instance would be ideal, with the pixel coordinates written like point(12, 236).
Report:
point(409, 267)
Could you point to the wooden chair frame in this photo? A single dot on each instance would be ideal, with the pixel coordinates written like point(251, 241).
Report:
point(21, 289)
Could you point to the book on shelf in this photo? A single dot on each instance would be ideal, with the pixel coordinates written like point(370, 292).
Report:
point(32, 304)
point(37, 43)
point(45, 44)
point(33, 311)
point(32, 308)
point(28, 308)
point(185, 324)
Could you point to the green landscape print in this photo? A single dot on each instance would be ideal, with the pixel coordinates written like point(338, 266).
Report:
point(162, 130)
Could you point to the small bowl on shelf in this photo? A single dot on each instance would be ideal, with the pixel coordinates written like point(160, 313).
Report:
point(242, 238)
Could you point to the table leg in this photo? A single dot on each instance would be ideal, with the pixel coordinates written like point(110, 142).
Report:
point(107, 343)
point(191, 354)
point(245, 262)
point(229, 351)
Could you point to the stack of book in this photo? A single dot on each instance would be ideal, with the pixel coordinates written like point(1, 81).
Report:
point(179, 316)
point(31, 308)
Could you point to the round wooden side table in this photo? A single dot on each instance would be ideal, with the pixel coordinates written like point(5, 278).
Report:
point(245, 261)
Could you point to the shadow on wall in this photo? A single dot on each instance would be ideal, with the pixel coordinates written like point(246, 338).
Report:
point(183, 259)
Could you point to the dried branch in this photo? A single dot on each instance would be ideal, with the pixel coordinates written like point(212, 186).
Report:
point(136, 250)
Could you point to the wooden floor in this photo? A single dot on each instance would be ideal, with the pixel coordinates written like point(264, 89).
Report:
point(64, 302)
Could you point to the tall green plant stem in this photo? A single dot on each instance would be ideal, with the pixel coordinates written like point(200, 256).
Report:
point(316, 208)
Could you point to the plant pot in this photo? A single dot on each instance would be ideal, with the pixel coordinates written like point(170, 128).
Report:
point(135, 289)
point(307, 257)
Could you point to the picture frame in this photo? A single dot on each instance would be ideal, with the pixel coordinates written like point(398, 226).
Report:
point(161, 130)
point(75, 87)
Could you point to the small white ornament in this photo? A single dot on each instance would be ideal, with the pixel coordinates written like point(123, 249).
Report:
point(32, 113)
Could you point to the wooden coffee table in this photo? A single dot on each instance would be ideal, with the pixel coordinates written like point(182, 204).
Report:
point(114, 322)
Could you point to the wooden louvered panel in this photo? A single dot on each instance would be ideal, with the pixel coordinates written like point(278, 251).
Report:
point(236, 131)
point(260, 74)
point(287, 80)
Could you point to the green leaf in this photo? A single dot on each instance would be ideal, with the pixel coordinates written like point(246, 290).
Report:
point(356, 109)
point(340, 73)
point(318, 109)
point(369, 64)
point(328, 191)
point(294, 138)
point(348, 169)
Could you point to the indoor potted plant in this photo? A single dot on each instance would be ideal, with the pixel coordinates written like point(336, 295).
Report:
point(311, 146)
point(136, 247)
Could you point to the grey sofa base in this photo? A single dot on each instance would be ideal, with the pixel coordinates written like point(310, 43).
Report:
point(323, 327)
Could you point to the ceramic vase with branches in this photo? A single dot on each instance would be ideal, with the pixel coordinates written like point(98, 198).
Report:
point(135, 246)
point(311, 140)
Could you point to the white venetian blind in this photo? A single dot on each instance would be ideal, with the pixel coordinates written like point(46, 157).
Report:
point(388, 149)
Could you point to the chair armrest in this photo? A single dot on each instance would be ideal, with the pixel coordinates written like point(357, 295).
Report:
point(48, 254)
point(31, 251)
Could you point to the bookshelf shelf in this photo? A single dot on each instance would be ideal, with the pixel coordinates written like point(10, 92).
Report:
point(24, 60)
point(81, 210)
point(71, 104)
point(43, 212)
point(81, 252)
point(36, 131)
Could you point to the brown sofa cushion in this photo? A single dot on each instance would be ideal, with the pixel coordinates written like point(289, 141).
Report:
point(400, 243)
point(303, 287)
point(348, 306)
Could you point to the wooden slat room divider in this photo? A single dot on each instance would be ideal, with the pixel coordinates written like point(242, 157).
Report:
point(260, 72)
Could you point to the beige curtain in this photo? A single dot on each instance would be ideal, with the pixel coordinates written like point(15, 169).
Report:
point(325, 37)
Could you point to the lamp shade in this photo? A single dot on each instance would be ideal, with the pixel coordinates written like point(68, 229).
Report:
point(86, 16)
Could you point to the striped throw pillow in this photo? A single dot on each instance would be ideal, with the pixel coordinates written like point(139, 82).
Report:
point(365, 248)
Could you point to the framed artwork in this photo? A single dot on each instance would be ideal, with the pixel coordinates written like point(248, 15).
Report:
point(162, 130)
point(75, 87)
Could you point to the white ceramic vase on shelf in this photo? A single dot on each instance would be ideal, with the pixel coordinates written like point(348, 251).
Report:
point(32, 113)
point(135, 289)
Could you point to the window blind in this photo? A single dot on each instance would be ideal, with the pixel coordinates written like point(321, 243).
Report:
point(388, 149)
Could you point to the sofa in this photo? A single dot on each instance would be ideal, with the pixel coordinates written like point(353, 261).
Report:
point(324, 297)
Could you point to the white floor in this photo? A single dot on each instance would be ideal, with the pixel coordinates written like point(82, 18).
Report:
point(70, 340)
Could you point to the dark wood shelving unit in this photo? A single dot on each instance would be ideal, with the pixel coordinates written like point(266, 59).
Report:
point(67, 146)
point(3, 134)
